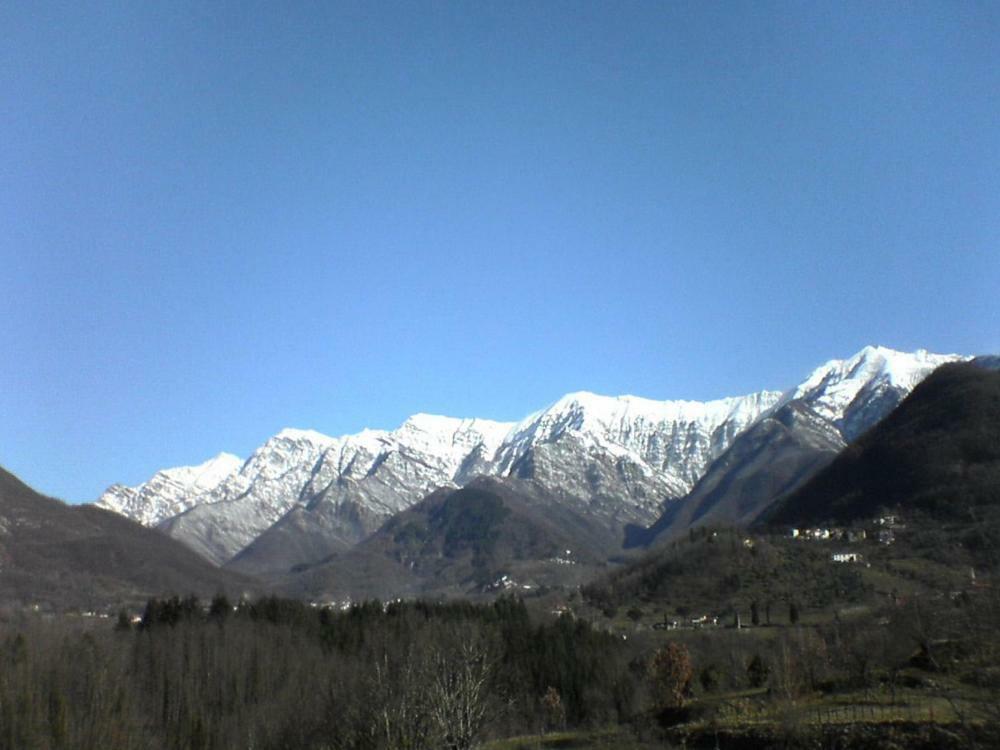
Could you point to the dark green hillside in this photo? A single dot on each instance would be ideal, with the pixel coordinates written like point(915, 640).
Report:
point(461, 542)
point(469, 520)
point(81, 556)
point(937, 455)
point(714, 572)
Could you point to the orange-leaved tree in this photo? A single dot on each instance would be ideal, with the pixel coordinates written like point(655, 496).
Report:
point(670, 672)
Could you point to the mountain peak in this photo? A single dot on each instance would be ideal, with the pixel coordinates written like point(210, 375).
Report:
point(842, 389)
point(169, 491)
point(900, 369)
point(438, 424)
point(207, 475)
point(604, 410)
point(309, 436)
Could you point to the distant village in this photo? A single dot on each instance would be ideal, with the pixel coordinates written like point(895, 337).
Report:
point(882, 529)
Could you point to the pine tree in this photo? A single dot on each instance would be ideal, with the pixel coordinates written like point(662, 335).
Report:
point(757, 672)
point(220, 608)
point(124, 622)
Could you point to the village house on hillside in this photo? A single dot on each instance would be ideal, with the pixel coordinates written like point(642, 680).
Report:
point(883, 529)
point(846, 557)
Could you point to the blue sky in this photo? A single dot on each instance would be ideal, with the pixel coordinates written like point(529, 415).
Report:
point(221, 219)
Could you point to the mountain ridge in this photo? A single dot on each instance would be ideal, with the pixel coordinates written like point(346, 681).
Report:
point(626, 456)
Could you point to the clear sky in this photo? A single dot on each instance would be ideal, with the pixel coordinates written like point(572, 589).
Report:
point(221, 219)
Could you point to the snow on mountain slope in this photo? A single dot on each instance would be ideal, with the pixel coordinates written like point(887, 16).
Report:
point(170, 491)
point(832, 407)
point(377, 472)
point(856, 393)
point(675, 438)
point(621, 457)
point(633, 453)
point(426, 452)
point(363, 479)
point(624, 455)
point(613, 459)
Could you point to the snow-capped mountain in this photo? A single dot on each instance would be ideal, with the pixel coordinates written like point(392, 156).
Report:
point(632, 453)
point(837, 403)
point(856, 393)
point(618, 458)
point(365, 477)
point(170, 491)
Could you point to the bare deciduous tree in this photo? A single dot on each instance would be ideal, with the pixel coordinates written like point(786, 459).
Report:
point(459, 692)
point(553, 709)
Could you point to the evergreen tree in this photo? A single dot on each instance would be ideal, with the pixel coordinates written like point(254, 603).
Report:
point(124, 622)
point(220, 608)
point(757, 672)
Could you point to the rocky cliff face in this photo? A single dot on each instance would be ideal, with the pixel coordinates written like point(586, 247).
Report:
point(628, 455)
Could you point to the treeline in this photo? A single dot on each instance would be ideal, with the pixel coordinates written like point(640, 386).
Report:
point(279, 674)
point(276, 674)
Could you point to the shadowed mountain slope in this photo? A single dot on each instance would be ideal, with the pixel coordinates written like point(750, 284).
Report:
point(457, 542)
point(770, 459)
point(937, 454)
point(83, 556)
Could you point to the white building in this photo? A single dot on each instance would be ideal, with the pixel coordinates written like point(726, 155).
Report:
point(846, 557)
